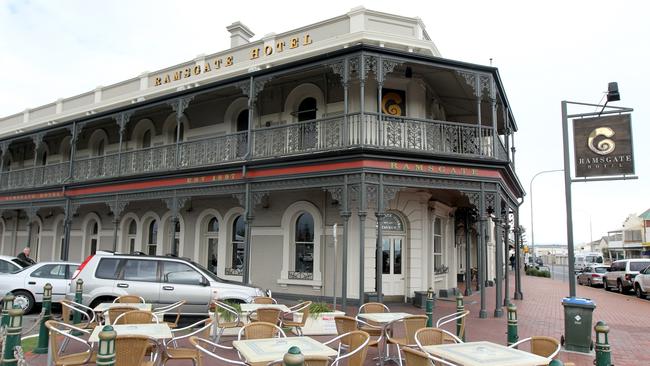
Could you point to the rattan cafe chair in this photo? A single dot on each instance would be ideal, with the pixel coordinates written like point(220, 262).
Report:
point(302, 310)
point(172, 309)
point(136, 317)
point(226, 317)
point(60, 329)
point(418, 358)
point(129, 299)
point(369, 327)
point(69, 308)
point(268, 315)
point(207, 348)
point(112, 313)
point(260, 330)
point(410, 326)
point(131, 350)
point(542, 346)
point(264, 300)
point(357, 344)
point(434, 336)
point(173, 352)
point(345, 324)
point(451, 318)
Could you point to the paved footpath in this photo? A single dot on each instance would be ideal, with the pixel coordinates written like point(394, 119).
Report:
point(540, 313)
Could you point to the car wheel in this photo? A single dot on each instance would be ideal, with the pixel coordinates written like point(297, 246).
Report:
point(639, 293)
point(619, 287)
point(25, 300)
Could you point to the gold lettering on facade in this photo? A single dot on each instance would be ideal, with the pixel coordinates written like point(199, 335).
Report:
point(306, 40)
point(279, 46)
point(157, 81)
point(206, 67)
point(166, 79)
point(255, 53)
point(229, 61)
point(197, 69)
point(177, 75)
point(268, 50)
point(434, 169)
point(217, 63)
point(419, 167)
point(187, 72)
point(293, 43)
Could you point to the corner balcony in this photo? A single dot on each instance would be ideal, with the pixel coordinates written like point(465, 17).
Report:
point(401, 134)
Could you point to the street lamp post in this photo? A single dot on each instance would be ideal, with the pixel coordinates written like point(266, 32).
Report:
point(532, 227)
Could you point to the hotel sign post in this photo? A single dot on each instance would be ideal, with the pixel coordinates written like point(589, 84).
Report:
point(603, 151)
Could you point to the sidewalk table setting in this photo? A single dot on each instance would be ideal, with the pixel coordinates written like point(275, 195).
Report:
point(156, 331)
point(382, 319)
point(249, 308)
point(262, 351)
point(485, 353)
point(101, 309)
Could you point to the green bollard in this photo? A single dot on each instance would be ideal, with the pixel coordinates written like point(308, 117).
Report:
point(603, 349)
point(106, 352)
point(429, 307)
point(14, 328)
point(76, 316)
point(293, 357)
point(460, 306)
point(8, 303)
point(43, 334)
point(512, 324)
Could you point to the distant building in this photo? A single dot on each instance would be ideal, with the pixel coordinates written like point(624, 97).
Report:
point(632, 241)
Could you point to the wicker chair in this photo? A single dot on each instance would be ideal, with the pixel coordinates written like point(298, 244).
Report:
point(434, 336)
point(202, 346)
point(226, 317)
point(372, 328)
point(60, 329)
point(419, 358)
point(173, 352)
point(260, 330)
point(357, 344)
point(264, 300)
point(303, 309)
point(542, 346)
point(111, 314)
point(411, 325)
point(69, 308)
point(129, 299)
point(130, 350)
point(268, 315)
point(164, 310)
point(136, 317)
point(346, 324)
point(452, 318)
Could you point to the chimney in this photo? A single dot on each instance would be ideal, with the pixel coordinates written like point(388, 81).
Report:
point(239, 34)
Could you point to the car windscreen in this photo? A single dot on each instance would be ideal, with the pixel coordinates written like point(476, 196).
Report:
point(20, 263)
point(600, 269)
point(638, 266)
point(208, 273)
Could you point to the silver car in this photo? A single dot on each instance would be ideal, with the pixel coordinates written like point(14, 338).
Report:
point(27, 284)
point(10, 264)
point(160, 280)
point(592, 275)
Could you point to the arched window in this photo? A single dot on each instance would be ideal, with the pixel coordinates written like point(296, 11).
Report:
point(242, 121)
point(44, 158)
point(304, 244)
point(392, 245)
point(132, 234)
point(175, 244)
point(152, 238)
point(438, 265)
point(35, 240)
point(100, 148)
point(93, 237)
point(237, 244)
point(146, 139)
point(175, 133)
point(307, 109)
point(212, 241)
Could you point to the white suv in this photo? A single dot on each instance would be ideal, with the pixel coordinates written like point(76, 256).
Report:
point(622, 272)
point(159, 280)
point(642, 283)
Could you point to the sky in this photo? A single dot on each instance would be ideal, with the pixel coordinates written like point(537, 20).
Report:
point(546, 52)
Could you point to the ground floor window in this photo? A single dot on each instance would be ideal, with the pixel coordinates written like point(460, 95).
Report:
point(237, 243)
point(304, 246)
point(152, 238)
point(439, 267)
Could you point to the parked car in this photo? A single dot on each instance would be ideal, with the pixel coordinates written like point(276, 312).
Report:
point(622, 272)
point(10, 264)
point(160, 280)
point(27, 283)
point(642, 283)
point(592, 275)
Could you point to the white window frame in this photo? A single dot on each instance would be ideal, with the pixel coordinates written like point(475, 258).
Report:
point(289, 218)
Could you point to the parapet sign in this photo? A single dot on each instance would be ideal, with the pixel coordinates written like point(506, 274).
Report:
point(603, 146)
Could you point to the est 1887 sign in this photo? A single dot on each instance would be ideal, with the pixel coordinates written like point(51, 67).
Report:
point(603, 146)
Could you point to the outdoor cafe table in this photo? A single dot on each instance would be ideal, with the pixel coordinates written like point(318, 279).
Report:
point(249, 308)
point(485, 354)
point(105, 306)
point(382, 319)
point(155, 331)
point(262, 351)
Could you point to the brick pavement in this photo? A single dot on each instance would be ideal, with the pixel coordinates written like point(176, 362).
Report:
point(540, 313)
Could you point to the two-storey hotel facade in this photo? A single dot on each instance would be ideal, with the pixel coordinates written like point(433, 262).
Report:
point(347, 149)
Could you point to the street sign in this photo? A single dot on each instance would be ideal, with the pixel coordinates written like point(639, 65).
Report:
point(603, 146)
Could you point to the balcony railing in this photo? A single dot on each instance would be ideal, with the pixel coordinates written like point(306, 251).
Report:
point(326, 134)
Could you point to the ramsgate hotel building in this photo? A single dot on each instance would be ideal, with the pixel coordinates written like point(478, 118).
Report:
point(347, 149)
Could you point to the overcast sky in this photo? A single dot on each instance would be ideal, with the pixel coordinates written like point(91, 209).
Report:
point(545, 51)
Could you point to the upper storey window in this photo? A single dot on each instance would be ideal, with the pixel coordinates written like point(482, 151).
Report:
point(307, 109)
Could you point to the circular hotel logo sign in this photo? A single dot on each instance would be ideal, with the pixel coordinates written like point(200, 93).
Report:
point(603, 146)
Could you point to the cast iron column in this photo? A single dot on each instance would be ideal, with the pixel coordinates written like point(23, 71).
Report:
point(498, 312)
point(518, 293)
point(380, 237)
point(506, 235)
point(345, 215)
point(481, 260)
point(362, 235)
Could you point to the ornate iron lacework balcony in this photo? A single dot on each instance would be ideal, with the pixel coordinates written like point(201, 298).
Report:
point(306, 276)
point(234, 271)
point(326, 134)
